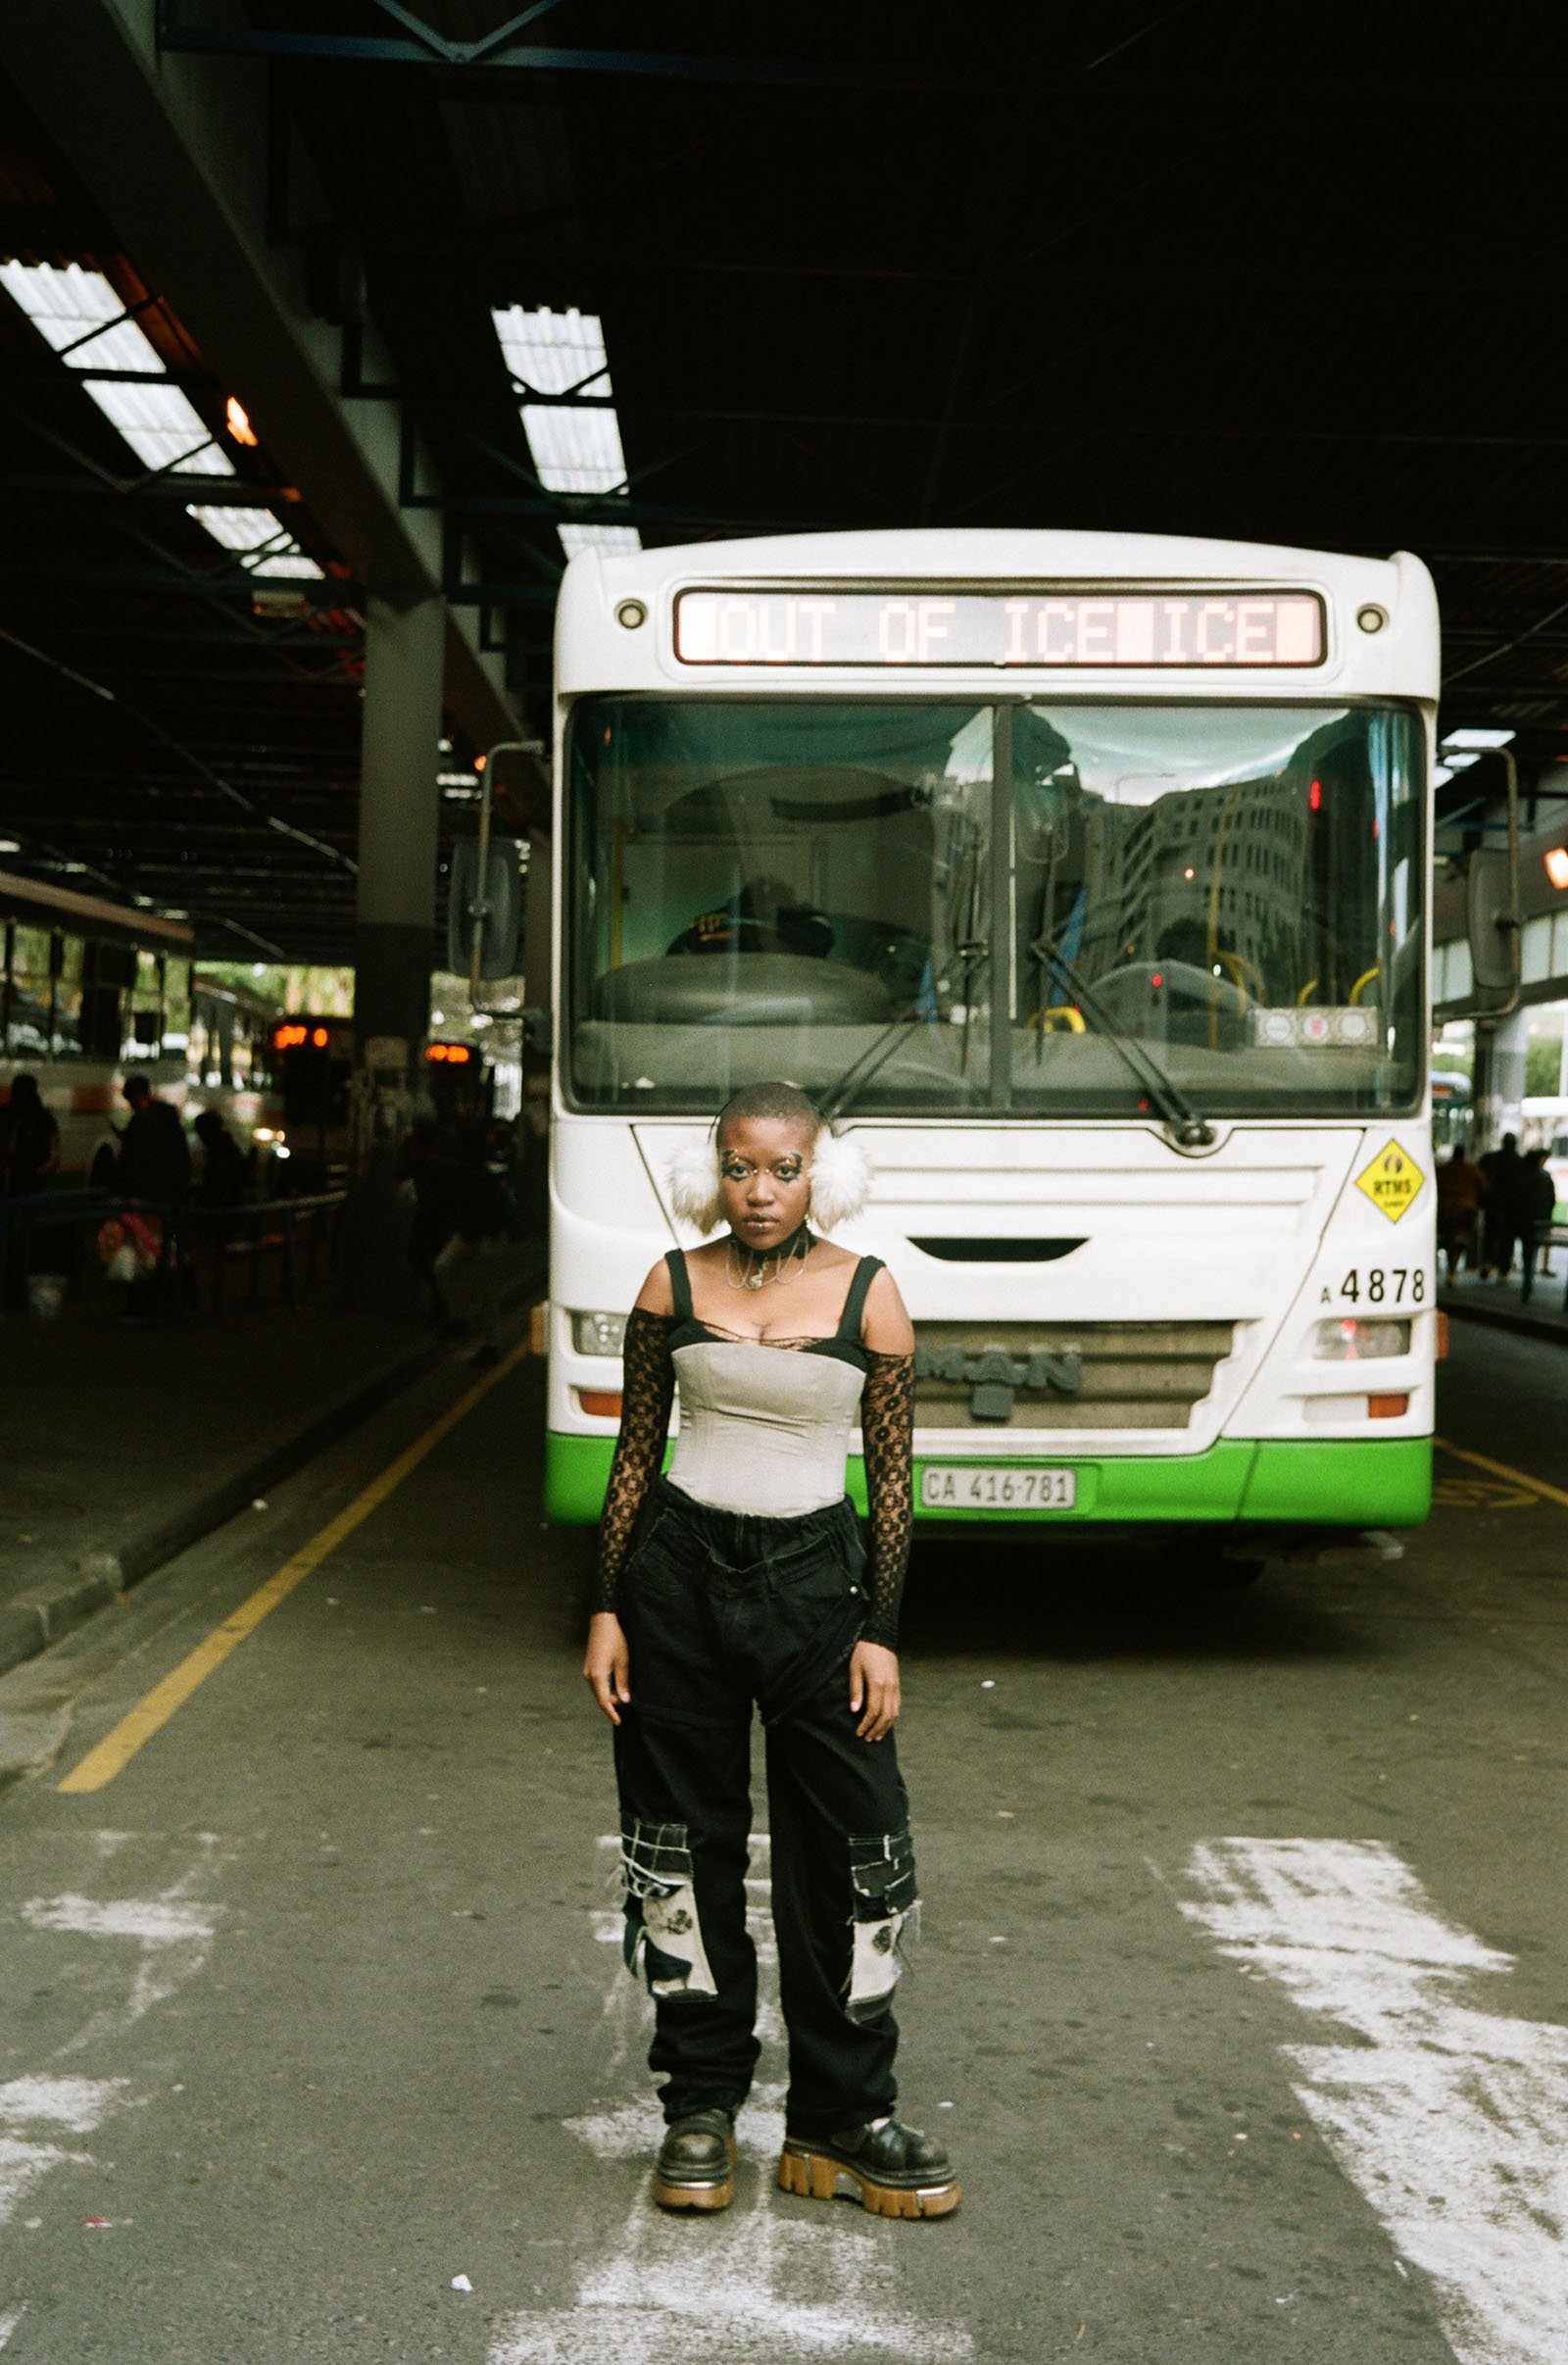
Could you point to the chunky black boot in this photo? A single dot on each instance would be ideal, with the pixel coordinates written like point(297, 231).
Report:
point(696, 2164)
point(891, 2170)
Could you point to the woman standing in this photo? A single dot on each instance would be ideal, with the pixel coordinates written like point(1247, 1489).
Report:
point(741, 1578)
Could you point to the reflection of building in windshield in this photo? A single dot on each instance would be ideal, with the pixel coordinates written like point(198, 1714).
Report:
point(1206, 876)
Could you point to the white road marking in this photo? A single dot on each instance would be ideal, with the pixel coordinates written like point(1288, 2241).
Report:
point(174, 1936)
point(174, 1933)
point(153, 1921)
point(78, 2105)
point(755, 2279)
point(23, 2165)
point(1452, 2121)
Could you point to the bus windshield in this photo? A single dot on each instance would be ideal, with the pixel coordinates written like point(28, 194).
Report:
point(954, 908)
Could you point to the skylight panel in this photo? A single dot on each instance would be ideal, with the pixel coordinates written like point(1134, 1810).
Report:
point(575, 446)
point(554, 352)
point(264, 544)
point(291, 561)
point(161, 424)
point(616, 541)
point(575, 451)
point(158, 420)
point(64, 306)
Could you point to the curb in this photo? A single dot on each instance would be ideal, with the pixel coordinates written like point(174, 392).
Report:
point(30, 1622)
point(1497, 1317)
point(34, 1619)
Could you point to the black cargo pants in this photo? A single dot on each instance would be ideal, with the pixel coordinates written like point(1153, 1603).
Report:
point(722, 1609)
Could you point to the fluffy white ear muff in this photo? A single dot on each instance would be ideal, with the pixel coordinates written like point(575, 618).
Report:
point(694, 1185)
point(841, 1180)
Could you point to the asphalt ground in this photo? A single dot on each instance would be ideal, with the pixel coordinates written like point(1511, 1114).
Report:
point(1239, 1993)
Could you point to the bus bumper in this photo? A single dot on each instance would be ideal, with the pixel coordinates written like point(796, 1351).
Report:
point(1272, 1482)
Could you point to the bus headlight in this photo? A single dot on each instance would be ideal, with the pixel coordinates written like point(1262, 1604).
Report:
point(1351, 1342)
point(599, 1334)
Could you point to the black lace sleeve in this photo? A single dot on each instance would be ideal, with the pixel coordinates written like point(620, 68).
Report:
point(887, 1429)
point(648, 1391)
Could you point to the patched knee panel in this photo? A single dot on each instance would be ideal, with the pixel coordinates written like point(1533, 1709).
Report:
point(882, 1877)
point(660, 1907)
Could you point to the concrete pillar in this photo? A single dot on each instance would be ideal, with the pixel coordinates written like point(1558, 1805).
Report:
point(1499, 1075)
point(398, 814)
point(394, 947)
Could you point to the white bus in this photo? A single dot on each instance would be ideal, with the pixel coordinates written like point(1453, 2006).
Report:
point(93, 992)
point(1082, 878)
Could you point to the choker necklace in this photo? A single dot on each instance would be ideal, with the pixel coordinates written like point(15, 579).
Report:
point(744, 1269)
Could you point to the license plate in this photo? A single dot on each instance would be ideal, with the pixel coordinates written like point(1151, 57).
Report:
point(985, 1486)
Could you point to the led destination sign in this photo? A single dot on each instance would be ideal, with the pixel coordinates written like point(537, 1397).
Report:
point(1068, 628)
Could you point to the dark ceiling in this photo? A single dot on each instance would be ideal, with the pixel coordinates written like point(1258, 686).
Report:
point(1281, 275)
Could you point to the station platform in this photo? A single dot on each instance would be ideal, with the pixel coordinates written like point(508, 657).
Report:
point(127, 1444)
point(1543, 1315)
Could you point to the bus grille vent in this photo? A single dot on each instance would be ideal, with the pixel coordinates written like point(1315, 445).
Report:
point(1078, 1375)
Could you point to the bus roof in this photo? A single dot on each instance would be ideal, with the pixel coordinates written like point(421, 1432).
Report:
point(956, 552)
point(1396, 653)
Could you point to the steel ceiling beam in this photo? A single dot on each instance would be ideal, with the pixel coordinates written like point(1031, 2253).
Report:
point(833, 71)
point(177, 161)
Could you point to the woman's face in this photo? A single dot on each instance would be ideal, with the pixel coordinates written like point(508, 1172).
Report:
point(764, 1178)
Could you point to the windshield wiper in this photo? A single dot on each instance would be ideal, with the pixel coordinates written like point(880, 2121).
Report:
point(1186, 1127)
point(876, 1055)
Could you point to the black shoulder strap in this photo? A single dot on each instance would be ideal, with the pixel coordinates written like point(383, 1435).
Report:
point(866, 1272)
point(679, 1282)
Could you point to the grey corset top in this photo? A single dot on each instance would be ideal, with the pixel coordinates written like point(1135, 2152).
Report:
point(766, 1429)
point(762, 1429)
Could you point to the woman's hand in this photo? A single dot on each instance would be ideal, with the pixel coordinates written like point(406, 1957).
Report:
point(607, 1668)
point(874, 1687)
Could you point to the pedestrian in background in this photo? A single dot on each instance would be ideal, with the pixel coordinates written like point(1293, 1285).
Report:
point(155, 1165)
point(29, 1138)
point(29, 1153)
point(468, 1268)
point(1540, 1206)
point(1505, 1170)
point(227, 1179)
point(1461, 1194)
point(154, 1161)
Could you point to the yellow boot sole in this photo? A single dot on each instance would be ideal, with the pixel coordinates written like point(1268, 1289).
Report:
point(697, 2196)
point(816, 2176)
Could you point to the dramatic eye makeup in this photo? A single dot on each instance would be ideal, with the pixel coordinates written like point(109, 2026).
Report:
point(735, 1169)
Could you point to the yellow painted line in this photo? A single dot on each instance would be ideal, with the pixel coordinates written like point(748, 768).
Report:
point(1505, 1469)
point(117, 1749)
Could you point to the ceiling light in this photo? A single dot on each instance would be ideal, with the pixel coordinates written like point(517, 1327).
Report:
point(1440, 773)
point(1458, 762)
point(1476, 739)
point(9, 845)
point(1557, 865)
point(237, 421)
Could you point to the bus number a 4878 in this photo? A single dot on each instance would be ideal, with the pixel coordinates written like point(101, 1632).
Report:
point(1385, 1285)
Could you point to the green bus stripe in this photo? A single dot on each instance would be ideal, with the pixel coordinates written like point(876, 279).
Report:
point(1333, 1481)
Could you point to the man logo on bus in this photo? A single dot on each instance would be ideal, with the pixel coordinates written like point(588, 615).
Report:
point(1391, 1182)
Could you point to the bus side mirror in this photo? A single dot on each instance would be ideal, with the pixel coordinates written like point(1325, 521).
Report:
point(484, 907)
point(1491, 921)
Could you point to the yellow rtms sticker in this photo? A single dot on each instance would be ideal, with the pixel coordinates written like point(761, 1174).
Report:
point(1391, 1181)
